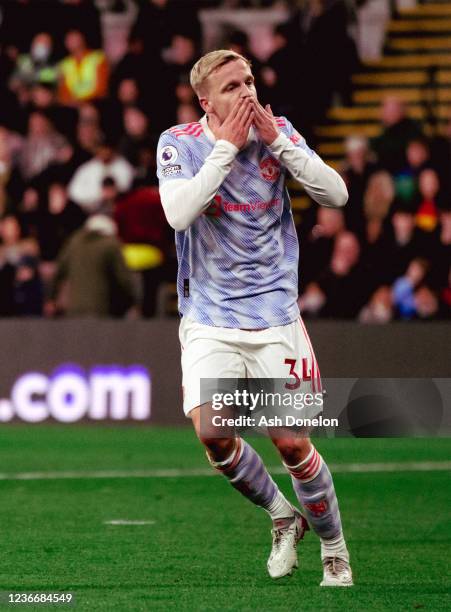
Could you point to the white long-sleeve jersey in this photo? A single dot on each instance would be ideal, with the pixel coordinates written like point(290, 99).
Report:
point(236, 242)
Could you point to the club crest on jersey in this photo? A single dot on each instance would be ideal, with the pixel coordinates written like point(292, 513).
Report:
point(168, 155)
point(270, 169)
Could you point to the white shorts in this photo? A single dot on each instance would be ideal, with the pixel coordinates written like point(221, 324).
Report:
point(283, 352)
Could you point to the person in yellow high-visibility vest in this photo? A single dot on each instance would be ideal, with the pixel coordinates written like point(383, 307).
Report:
point(83, 73)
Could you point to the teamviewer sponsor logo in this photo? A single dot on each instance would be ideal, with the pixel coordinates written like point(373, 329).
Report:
point(218, 204)
point(72, 394)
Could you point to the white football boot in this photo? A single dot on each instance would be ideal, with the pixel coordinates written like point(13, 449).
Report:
point(283, 558)
point(337, 572)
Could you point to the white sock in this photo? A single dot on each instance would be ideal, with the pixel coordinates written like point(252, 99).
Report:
point(280, 508)
point(334, 548)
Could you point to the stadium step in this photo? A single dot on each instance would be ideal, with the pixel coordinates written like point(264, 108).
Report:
point(370, 130)
point(417, 77)
point(416, 67)
point(356, 114)
point(365, 96)
point(419, 44)
point(420, 25)
point(436, 9)
point(413, 61)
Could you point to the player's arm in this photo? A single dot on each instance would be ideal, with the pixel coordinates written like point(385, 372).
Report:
point(183, 198)
point(321, 182)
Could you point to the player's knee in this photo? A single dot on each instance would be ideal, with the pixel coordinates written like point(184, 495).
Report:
point(293, 450)
point(219, 449)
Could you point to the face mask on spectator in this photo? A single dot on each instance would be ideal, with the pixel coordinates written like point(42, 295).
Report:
point(40, 52)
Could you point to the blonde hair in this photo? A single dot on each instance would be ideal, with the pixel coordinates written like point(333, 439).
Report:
point(210, 62)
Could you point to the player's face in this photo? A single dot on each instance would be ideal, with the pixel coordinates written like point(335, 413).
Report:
point(225, 86)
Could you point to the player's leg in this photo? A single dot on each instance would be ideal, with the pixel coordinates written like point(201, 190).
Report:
point(287, 353)
point(244, 469)
point(314, 488)
point(204, 355)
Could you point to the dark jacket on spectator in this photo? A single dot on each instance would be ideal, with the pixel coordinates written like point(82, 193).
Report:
point(92, 263)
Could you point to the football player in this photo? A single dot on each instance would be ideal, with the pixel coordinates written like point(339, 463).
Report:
point(222, 190)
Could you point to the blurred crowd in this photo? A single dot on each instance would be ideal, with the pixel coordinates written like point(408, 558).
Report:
point(82, 231)
point(386, 255)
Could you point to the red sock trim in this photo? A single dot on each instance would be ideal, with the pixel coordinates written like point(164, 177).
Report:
point(236, 458)
point(310, 469)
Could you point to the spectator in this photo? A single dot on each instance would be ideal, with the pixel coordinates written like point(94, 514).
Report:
point(84, 72)
point(441, 157)
point(85, 187)
point(136, 125)
point(11, 185)
point(89, 132)
point(92, 264)
point(320, 25)
point(110, 196)
point(79, 15)
point(427, 214)
point(131, 66)
point(184, 92)
point(68, 159)
point(238, 41)
point(180, 55)
point(187, 113)
point(178, 60)
point(397, 131)
point(406, 181)
point(14, 251)
point(405, 243)
point(445, 298)
point(141, 221)
point(27, 210)
point(376, 239)
point(41, 146)
point(37, 66)
point(128, 94)
point(405, 286)
point(63, 118)
point(316, 249)
point(356, 170)
point(146, 166)
point(380, 307)
point(340, 291)
point(426, 303)
point(158, 20)
point(89, 137)
point(377, 200)
point(57, 221)
point(277, 73)
point(28, 289)
point(440, 261)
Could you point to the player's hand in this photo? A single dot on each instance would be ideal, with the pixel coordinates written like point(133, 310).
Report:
point(235, 127)
point(265, 123)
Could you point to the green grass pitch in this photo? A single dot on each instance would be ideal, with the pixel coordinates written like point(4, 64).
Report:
point(206, 547)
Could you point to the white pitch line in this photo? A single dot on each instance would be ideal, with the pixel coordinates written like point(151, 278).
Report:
point(336, 468)
point(126, 522)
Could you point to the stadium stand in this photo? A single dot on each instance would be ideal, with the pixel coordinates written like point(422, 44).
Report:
point(69, 149)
